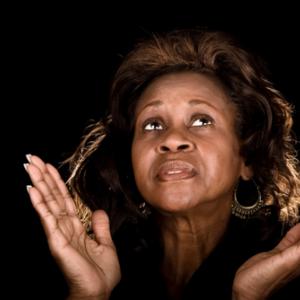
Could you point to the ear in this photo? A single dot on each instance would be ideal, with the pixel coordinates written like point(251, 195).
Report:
point(246, 171)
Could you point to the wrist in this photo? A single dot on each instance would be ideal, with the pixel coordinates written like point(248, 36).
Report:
point(76, 297)
point(245, 295)
point(80, 296)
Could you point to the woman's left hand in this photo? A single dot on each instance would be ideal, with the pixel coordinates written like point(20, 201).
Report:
point(266, 272)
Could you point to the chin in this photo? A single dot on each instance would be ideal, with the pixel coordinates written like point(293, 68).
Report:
point(176, 204)
point(174, 211)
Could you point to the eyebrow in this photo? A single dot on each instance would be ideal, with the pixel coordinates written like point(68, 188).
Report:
point(155, 103)
point(192, 102)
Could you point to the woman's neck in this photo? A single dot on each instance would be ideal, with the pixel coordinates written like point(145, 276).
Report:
point(187, 242)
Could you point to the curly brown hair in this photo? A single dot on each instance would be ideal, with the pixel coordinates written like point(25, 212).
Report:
point(101, 166)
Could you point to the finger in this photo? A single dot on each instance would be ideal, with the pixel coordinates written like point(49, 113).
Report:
point(67, 199)
point(40, 184)
point(292, 237)
point(101, 228)
point(37, 161)
point(51, 182)
point(49, 221)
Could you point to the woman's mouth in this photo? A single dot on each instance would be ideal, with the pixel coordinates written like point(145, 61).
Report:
point(173, 170)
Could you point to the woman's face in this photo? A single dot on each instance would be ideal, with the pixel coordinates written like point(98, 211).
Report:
point(185, 152)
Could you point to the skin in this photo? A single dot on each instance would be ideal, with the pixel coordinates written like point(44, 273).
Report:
point(183, 172)
point(91, 267)
point(186, 117)
point(186, 162)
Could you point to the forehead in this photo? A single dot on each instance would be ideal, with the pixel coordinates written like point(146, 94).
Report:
point(183, 87)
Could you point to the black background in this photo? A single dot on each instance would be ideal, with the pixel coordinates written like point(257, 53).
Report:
point(59, 62)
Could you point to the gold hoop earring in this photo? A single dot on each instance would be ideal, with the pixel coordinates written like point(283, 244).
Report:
point(246, 211)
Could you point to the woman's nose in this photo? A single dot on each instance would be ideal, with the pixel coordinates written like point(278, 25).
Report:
point(174, 142)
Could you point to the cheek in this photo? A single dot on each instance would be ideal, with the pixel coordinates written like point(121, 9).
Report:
point(222, 158)
point(228, 164)
point(143, 159)
point(140, 170)
point(140, 159)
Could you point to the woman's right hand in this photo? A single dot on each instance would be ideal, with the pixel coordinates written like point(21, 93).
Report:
point(91, 267)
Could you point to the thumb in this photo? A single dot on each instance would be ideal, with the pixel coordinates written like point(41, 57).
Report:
point(101, 229)
point(292, 237)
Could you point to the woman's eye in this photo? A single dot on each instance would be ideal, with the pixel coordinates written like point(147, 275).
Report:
point(152, 125)
point(201, 121)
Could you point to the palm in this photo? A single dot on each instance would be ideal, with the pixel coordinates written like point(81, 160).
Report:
point(265, 272)
point(90, 266)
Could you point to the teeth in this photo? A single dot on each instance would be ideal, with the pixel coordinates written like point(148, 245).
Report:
point(174, 172)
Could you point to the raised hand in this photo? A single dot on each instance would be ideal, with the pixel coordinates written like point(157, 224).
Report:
point(265, 272)
point(91, 267)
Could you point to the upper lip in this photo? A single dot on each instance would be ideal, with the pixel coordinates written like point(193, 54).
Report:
point(175, 169)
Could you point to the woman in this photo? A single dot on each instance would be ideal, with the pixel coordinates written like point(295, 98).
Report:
point(187, 189)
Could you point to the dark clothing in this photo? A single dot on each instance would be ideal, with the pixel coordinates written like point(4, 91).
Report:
point(139, 253)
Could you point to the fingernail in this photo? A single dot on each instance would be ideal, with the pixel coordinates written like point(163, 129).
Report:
point(28, 187)
point(25, 166)
point(28, 157)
